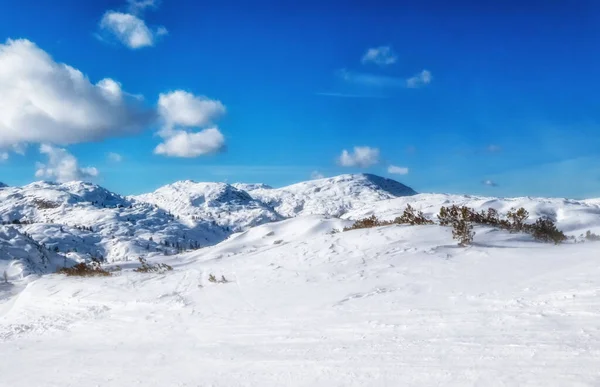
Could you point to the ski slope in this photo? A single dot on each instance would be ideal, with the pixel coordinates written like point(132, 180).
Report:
point(388, 306)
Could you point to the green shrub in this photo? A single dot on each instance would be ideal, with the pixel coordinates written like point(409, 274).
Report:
point(462, 228)
point(411, 217)
point(369, 222)
point(590, 236)
point(545, 230)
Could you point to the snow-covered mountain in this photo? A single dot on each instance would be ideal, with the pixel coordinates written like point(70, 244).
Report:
point(79, 220)
point(225, 205)
point(83, 219)
point(331, 196)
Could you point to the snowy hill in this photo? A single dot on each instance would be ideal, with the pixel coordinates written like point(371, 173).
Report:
point(388, 306)
point(331, 196)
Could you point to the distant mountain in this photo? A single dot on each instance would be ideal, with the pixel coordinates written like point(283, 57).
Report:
point(332, 196)
point(86, 220)
point(219, 203)
point(2, 185)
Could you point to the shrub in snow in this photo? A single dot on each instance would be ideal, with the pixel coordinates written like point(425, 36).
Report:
point(369, 222)
point(590, 236)
point(149, 268)
point(545, 230)
point(213, 279)
point(410, 216)
point(517, 219)
point(462, 228)
point(83, 269)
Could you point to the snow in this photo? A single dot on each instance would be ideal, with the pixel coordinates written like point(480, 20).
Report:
point(304, 304)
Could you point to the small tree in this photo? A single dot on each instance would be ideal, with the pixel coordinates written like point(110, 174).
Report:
point(462, 229)
point(410, 216)
point(517, 218)
point(545, 230)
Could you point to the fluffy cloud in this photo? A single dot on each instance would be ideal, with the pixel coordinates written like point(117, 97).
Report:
point(397, 170)
point(489, 183)
point(62, 166)
point(48, 102)
point(382, 56)
point(362, 156)
point(315, 175)
point(130, 30)
point(180, 108)
point(114, 157)
point(421, 79)
point(183, 144)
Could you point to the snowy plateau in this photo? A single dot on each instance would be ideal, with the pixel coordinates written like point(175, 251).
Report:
point(301, 304)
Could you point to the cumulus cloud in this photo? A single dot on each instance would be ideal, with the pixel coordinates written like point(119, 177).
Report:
point(397, 170)
point(130, 30)
point(421, 79)
point(183, 144)
point(315, 175)
point(62, 166)
point(48, 102)
point(362, 156)
point(489, 183)
point(181, 108)
point(382, 56)
point(114, 157)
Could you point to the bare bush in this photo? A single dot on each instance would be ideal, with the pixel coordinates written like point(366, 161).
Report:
point(83, 269)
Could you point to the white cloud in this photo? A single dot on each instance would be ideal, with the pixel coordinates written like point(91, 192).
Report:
point(62, 166)
point(137, 6)
point(48, 102)
point(382, 56)
point(315, 175)
point(114, 157)
point(180, 108)
point(489, 183)
point(370, 80)
point(397, 170)
point(130, 30)
point(421, 79)
point(363, 156)
point(3, 156)
point(184, 144)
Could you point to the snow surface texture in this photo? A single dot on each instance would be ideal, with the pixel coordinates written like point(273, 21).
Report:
point(303, 305)
point(390, 306)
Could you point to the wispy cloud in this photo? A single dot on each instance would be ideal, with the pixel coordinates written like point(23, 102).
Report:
point(419, 80)
point(315, 175)
point(372, 80)
point(3, 156)
point(494, 148)
point(114, 157)
point(381, 81)
point(382, 55)
point(489, 183)
point(348, 95)
point(397, 170)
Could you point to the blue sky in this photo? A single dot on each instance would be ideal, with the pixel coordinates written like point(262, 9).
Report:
point(507, 105)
